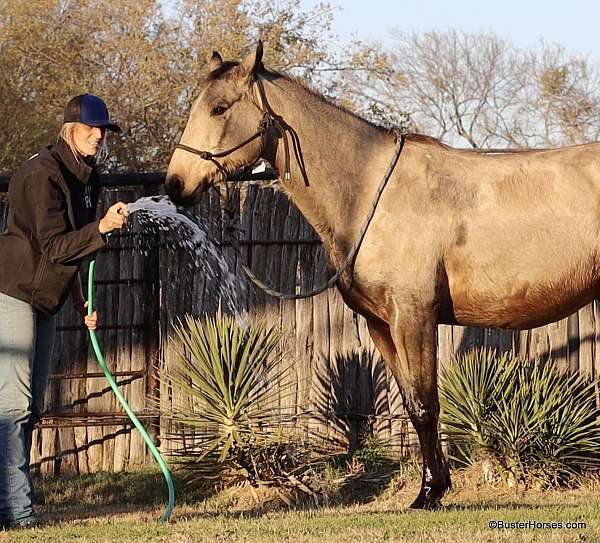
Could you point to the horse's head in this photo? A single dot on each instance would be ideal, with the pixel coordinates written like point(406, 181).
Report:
point(225, 114)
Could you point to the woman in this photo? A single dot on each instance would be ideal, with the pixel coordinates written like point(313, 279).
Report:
point(51, 229)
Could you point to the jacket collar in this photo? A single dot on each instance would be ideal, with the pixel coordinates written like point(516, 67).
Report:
point(80, 169)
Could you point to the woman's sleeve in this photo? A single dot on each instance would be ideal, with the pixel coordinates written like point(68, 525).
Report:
point(52, 228)
point(77, 292)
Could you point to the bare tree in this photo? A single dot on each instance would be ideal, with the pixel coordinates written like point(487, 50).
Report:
point(456, 86)
point(564, 98)
point(476, 90)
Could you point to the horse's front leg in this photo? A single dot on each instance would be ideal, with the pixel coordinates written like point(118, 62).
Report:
point(413, 332)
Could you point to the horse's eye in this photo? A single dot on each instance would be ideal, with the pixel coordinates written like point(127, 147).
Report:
point(218, 110)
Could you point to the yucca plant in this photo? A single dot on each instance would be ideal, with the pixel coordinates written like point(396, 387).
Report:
point(533, 422)
point(227, 385)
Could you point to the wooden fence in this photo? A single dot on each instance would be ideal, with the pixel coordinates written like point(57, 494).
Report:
point(338, 378)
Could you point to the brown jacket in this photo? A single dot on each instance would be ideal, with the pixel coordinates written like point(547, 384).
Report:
point(51, 227)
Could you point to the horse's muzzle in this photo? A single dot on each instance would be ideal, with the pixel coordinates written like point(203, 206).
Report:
point(174, 187)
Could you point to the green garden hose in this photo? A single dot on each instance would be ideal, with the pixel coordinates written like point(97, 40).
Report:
point(163, 466)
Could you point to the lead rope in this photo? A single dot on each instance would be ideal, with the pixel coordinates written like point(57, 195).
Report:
point(353, 251)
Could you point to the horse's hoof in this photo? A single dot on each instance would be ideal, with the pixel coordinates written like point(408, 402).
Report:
point(429, 504)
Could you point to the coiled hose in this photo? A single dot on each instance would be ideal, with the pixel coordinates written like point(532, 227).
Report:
point(163, 466)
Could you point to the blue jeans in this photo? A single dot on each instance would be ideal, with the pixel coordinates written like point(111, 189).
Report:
point(26, 341)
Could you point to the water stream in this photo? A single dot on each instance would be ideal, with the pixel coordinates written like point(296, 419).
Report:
point(180, 230)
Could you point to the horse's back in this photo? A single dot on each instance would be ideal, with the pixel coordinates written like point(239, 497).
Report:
point(516, 234)
point(530, 244)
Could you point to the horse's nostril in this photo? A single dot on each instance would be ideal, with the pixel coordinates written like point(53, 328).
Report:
point(174, 186)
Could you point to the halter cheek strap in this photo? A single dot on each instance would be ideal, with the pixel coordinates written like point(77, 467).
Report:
point(269, 119)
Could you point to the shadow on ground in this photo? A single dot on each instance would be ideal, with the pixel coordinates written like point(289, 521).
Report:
point(143, 494)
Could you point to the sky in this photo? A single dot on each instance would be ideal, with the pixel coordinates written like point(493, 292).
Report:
point(574, 24)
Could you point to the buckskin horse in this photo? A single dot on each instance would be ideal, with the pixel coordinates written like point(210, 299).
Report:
point(506, 240)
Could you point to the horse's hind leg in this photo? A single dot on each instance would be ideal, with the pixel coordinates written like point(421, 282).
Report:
point(409, 348)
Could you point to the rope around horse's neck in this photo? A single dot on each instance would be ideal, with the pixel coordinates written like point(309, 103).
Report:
point(353, 251)
point(271, 119)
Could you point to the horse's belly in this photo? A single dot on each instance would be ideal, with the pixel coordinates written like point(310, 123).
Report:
point(522, 304)
point(523, 272)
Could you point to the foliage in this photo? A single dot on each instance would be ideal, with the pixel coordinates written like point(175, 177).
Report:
point(145, 59)
point(226, 383)
point(533, 422)
point(373, 454)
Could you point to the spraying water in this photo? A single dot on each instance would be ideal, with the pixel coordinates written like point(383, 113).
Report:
point(180, 230)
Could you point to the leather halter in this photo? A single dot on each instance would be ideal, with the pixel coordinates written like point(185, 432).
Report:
point(269, 120)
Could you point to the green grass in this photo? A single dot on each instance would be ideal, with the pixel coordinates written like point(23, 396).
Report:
point(124, 508)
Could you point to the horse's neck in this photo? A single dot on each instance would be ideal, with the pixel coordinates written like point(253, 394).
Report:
point(344, 159)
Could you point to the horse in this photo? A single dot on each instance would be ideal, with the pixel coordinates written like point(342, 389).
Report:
point(505, 240)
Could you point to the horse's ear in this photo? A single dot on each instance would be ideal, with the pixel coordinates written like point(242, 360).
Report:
point(216, 61)
point(252, 61)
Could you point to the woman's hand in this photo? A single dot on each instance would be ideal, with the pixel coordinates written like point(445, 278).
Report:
point(115, 218)
point(90, 321)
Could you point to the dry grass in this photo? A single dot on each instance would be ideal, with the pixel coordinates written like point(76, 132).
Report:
point(124, 507)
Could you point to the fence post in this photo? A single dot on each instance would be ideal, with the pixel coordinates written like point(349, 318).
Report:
point(151, 323)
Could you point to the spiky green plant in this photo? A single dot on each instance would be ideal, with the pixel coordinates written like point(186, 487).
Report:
point(227, 388)
point(534, 422)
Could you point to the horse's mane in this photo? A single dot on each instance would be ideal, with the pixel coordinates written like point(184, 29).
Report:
point(221, 70)
point(419, 138)
point(272, 74)
point(319, 96)
point(430, 140)
point(228, 65)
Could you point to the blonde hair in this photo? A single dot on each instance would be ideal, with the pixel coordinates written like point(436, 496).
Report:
point(66, 133)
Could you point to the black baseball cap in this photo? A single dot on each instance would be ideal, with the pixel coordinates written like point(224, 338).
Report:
point(91, 110)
